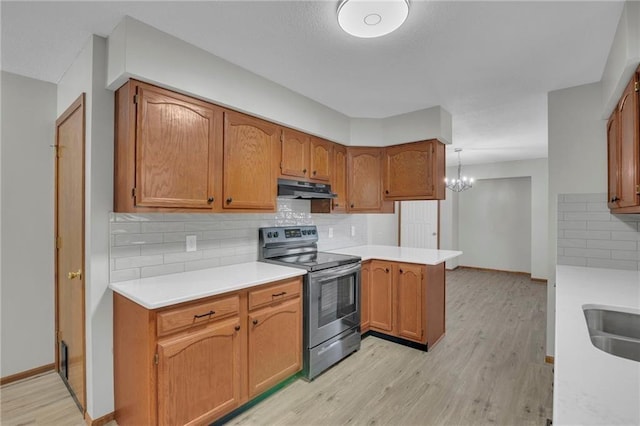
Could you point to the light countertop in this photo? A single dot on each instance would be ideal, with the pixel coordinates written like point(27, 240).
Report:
point(400, 254)
point(165, 290)
point(592, 387)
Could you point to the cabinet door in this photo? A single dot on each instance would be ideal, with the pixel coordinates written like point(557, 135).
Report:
point(249, 180)
point(613, 145)
point(175, 138)
point(275, 345)
point(365, 297)
point(409, 171)
point(294, 154)
point(199, 374)
point(339, 181)
point(629, 162)
point(365, 179)
point(381, 296)
point(320, 162)
point(410, 299)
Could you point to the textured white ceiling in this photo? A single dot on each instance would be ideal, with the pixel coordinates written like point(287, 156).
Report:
point(489, 63)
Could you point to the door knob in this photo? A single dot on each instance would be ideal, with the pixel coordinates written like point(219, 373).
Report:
point(77, 274)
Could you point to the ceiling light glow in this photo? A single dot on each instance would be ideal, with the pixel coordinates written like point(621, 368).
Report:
point(372, 18)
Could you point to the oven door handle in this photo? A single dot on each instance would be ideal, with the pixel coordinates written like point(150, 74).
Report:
point(336, 272)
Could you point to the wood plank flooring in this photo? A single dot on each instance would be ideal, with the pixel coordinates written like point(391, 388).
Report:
point(488, 369)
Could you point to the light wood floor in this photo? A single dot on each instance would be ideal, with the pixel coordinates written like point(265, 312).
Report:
point(489, 369)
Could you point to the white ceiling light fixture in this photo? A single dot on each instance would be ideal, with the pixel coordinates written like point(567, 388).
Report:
point(372, 18)
point(462, 183)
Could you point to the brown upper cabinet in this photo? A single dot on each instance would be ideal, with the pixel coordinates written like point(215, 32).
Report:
point(305, 157)
point(414, 171)
point(339, 180)
point(250, 173)
point(165, 150)
point(364, 170)
point(623, 147)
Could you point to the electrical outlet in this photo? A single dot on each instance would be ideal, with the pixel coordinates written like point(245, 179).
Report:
point(191, 243)
point(353, 231)
point(330, 232)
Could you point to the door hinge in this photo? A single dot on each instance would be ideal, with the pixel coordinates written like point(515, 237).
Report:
point(136, 98)
point(58, 242)
point(133, 192)
point(637, 86)
point(280, 166)
point(433, 150)
point(422, 333)
point(57, 336)
point(156, 359)
point(281, 136)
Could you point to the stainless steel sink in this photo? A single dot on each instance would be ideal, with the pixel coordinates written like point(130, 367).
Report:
point(615, 332)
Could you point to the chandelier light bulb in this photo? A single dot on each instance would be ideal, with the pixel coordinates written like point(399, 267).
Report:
point(462, 183)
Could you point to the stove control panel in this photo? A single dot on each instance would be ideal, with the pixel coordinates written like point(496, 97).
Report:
point(288, 234)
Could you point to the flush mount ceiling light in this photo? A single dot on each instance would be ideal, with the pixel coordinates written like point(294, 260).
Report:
point(372, 18)
point(462, 183)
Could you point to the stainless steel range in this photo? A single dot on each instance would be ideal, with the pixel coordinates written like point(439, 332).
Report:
point(331, 294)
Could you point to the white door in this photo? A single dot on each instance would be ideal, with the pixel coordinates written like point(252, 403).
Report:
point(419, 224)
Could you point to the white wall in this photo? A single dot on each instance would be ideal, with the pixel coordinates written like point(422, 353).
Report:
point(383, 228)
point(28, 128)
point(449, 217)
point(537, 170)
point(577, 163)
point(495, 225)
point(88, 74)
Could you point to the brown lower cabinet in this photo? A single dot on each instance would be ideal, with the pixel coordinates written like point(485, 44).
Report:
point(195, 362)
point(404, 300)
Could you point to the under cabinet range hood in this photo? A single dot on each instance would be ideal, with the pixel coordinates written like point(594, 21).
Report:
point(306, 190)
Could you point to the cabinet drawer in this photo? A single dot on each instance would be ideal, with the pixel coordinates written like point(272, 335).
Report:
point(282, 290)
point(199, 313)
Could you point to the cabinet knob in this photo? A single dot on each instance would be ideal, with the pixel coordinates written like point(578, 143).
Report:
point(237, 327)
point(386, 270)
point(386, 191)
point(304, 171)
point(255, 322)
point(210, 200)
point(352, 206)
point(336, 205)
point(401, 271)
point(229, 200)
point(614, 199)
point(314, 172)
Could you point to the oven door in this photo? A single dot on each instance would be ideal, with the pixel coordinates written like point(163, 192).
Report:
point(333, 302)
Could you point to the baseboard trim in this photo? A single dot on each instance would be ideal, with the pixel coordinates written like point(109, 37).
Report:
point(476, 268)
point(549, 359)
point(100, 421)
point(27, 374)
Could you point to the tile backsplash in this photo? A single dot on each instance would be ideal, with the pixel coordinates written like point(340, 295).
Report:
point(589, 235)
point(146, 245)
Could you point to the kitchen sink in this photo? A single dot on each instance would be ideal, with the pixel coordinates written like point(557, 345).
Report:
point(614, 331)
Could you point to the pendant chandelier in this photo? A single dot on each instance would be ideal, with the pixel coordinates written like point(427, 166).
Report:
point(462, 183)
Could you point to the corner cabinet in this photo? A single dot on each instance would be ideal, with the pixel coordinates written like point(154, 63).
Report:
point(365, 296)
point(623, 148)
point(406, 301)
point(415, 171)
point(364, 171)
point(195, 362)
point(250, 173)
point(165, 150)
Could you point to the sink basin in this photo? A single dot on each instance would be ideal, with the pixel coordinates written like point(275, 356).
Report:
point(614, 331)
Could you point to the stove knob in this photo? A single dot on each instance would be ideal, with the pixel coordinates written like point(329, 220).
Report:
point(275, 235)
point(313, 231)
point(304, 232)
point(269, 234)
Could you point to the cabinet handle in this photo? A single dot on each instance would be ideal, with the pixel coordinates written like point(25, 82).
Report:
point(279, 294)
point(210, 200)
point(336, 205)
point(314, 172)
point(386, 270)
point(386, 191)
point(237, 327)
point(352, 206)
point(229, 200)
point(304, 171)
point(255, 322)
point(401, 271)
point(208, 314)
point(614, 199)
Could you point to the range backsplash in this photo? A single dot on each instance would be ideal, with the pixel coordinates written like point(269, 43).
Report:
point(589, 235)
point(146, 245)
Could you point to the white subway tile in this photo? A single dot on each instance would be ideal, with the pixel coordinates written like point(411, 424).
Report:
point(154, 271)
point(572, 207)
point(138, 261)
point(182, 257)
point(612, 245)
point(204, 226)
point(576, 224)
point(612, 226)
point(590, 216)
point(134, 239)
point(124, 251)
point(240, 258)
point(625, 236)
point(566, 242)
point(589, 198)
point(573, 261)
point(216, 252)
point(597, 207)
point(587, 235)
point(202, 264)
point(138, 217)
point(163, 248)
point(583, 252)
point(613, 264)
point(175, 237)
point(625, 255)
point(125, 228)
point(162, 227)
point(124, 275)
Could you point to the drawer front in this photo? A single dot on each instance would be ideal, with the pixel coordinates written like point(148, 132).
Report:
point(197, 314)
point(281, 290)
